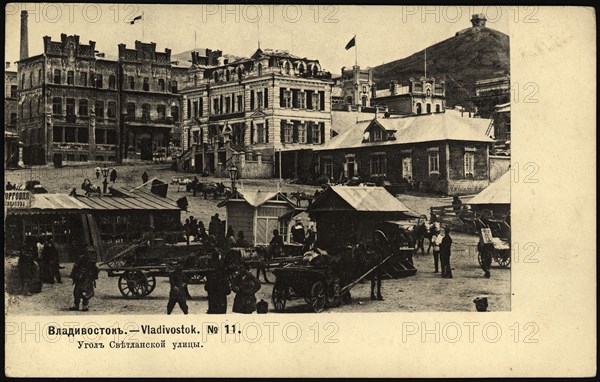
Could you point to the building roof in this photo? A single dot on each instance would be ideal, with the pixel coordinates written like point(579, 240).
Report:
point(139, 199)
point(361, 199)
point(413, 129)
point(256, 198)
point(341, 121)
point(496, 193)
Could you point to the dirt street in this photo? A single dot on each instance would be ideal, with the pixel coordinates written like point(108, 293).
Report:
point(423, 292)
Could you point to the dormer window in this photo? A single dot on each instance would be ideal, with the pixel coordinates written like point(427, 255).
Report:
point(377, 135)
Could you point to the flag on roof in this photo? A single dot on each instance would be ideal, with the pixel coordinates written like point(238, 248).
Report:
point(351, 43)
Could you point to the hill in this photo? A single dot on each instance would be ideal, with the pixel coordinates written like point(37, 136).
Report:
point(472, 54)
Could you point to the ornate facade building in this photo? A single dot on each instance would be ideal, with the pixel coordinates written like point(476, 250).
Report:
point(11, 138)
point(75, 105)
point(264, 114)
point(422, 96)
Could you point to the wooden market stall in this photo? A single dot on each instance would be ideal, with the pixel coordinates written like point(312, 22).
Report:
point(257, 213)
point(94, 221)
point(346, 214)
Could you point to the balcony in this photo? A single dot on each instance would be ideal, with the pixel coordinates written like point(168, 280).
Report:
point(152, 121)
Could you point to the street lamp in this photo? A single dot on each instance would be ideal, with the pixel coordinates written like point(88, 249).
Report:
point(233, 172)
point(104, 171)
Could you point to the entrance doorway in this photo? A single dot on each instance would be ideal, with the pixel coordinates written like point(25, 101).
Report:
point(146, 149)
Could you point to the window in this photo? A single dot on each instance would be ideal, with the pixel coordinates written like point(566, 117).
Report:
point(40, 79)
point(22, 81)
point(57, 74)
point(146, 111)
point(57, 134)
point(69, 134)
point(99, 110)
point(83, 79)
point(173, 86)
point(301, 100)
point(259, 100)
point(13, 91)
point(161, 111)
point(328, 166)
point(240, 103)
point(428, 92)
point(260, 133)
point(434, 162)
point(99, 81)
point(82, 158)
point(100, 136)
point(13, 118)
point(83, 135)
point(130, 111)
point(112, 82)
point(57, 106)
point(131, 82)
point(70, 106)
point(287, 98)
point(377, 135)
point(175, 113)
point(83, 107)
point(161, 85)
point(111, 137)
point(146, 86)
point(227, 105)
point(216, 105)
point(315, 101)
point(70, 78)
point(316, 134)
point(302, 133)
point(469, 163)
point(112, 109)
point(407, 168)
point(377, 165)
point(428, 108)
point(288, 133)
point(195, 109)
point(31, 79)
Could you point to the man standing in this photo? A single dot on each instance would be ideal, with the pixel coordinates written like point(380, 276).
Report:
point(298, 233)
point(436, 239)
point(486, 251)
point(97, 172)
point(84, 275)
point(54, 262)
point(217, 287)
point(445, 253)
point(245, 286)
point(113, 175)
point(144, 178)
point(177, 294)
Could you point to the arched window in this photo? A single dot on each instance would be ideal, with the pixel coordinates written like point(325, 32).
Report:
point(260, 69)
point(146, 111)
point(216, 76)
point(315, 70)
point(195, 80)
point(227, 75)
point(428, 108)
point(286, 67)
point(146, 84)
point(301, 68)
point(161, 85)
point(240, 72)
point(428, 92)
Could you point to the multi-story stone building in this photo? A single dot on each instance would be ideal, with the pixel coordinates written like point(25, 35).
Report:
point(257, 112)
point(423, 96)
point(149, 101)
point(76, 105)
point(11, 138)
point(353, 89)
point(489, 93)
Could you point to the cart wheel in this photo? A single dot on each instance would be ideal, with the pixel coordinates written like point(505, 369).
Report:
point(151, 284)
point(133, 284)
point(502, 258)
point(317, 297)
point(279, 297)
point(479, 258)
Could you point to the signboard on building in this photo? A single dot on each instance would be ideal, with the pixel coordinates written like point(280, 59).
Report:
point(17, 199)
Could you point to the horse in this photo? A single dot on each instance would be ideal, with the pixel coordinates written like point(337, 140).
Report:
point(216, 189)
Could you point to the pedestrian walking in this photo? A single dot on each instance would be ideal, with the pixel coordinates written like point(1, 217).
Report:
point(144, 178)
point(53, 262)
point(436, 239)
point(113, 175)
point(98, 171)
point(84, 275)
point(445, 252)
point(177, 294)
point(486, 251)
point(298, 233)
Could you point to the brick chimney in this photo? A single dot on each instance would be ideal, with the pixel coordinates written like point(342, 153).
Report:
point(24, 37)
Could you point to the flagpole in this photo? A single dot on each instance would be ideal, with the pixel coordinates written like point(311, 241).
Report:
point(143, 22)
point(355, 52)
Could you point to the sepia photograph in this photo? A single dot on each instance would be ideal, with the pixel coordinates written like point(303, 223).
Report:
point(263, 159)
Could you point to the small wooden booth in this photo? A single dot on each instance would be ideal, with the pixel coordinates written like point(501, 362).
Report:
point(257, 213)
point(346, 214)
point(495, 197)
point(93, 221)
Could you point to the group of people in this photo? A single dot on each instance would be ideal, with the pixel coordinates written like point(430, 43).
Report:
point(227, 275)
point(441, 243)
point(301, 236)
point(112, 174)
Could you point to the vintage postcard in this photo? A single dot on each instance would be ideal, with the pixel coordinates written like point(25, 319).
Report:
point(208, 190)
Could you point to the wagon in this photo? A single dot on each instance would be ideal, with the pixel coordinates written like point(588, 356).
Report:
point(325, 285)
point(500, 248)
point(317, 285)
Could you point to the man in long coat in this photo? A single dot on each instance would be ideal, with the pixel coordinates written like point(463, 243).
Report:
point(217, 286)
point(84, 275)
point(445, 253)
point(245, 286)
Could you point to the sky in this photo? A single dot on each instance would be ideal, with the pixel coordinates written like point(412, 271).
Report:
point(383, 33)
